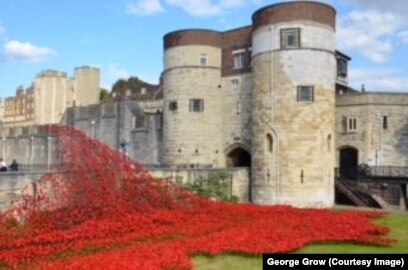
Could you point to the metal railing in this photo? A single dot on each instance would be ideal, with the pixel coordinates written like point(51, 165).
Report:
point(372, 172)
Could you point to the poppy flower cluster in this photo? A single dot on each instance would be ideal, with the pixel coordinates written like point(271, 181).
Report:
point(104, 211)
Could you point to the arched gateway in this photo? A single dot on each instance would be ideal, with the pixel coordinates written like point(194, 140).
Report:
point(238, 157)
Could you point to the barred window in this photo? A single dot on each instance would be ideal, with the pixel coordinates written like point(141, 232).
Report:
point(203, 59)
point(196, 105)
point(305, 93)
point(290, 38)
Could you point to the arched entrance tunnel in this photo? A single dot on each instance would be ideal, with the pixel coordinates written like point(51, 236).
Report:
point(348, 162)
point(239, 157)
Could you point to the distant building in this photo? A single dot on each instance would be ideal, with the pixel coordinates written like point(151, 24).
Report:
point(49, 95)
point(144, 92)
point(372, 129)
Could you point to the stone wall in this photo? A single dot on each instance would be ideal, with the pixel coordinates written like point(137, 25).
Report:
point(12, 184)
point(124, 126)
point(239, 178)
point(28, 145)
point(378, 143)
point(236, 116)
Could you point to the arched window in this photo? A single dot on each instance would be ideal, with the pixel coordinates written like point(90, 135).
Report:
point(269, 141)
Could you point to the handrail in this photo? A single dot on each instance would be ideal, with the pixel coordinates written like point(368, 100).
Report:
point(364, 171)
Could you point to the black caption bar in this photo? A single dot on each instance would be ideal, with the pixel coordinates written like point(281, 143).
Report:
point(336, 261)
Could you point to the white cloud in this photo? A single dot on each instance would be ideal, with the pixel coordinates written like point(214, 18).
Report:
point(25, 51)
point(397, 6)
point(196, 8)
point(370, 32)
point(403, 36)
point(206, 8)
point(144, 7)
point(380, 79)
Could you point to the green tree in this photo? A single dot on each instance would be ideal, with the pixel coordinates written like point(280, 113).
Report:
point(132, 83)
point(216, 186)
point(103, 94)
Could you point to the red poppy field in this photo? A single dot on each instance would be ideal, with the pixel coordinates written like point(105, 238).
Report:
point(102, 211)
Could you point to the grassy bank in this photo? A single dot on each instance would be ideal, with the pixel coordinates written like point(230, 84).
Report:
point(398, 224)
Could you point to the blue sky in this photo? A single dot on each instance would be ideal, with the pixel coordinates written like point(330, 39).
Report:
point(124, 37)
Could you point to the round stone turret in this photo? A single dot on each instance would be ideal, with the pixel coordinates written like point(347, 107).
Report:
point(293, 65)
point(192, 98)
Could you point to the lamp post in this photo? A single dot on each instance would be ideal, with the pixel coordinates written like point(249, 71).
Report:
point(92, 128)
point(31, 150)
point(378, 154)
point(4, 146)
point(2, 137)
point(15, 112)
point(48, 152)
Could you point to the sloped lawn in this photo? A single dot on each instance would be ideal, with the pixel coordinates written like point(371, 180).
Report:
point(398, 224)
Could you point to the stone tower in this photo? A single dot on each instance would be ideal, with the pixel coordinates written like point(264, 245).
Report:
point(192, 98)
point(293, 65)
point(86, 85)
point(50, 90)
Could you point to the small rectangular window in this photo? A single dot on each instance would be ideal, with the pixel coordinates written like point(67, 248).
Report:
point(239, 60)
point(341, 67)
point(203, 59)
point(290, 38)
point(305, 93)
point(235, 82)
point(196, 105)
point(173, 106)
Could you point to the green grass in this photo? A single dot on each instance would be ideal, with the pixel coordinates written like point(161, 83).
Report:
point(398, 224)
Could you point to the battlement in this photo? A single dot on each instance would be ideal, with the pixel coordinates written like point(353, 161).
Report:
point(86, 68)
point(377, 98)
point(51, 73)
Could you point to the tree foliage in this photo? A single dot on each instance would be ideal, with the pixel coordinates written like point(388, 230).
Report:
point(217, 186)
point(103, 94)
point(132, 83)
